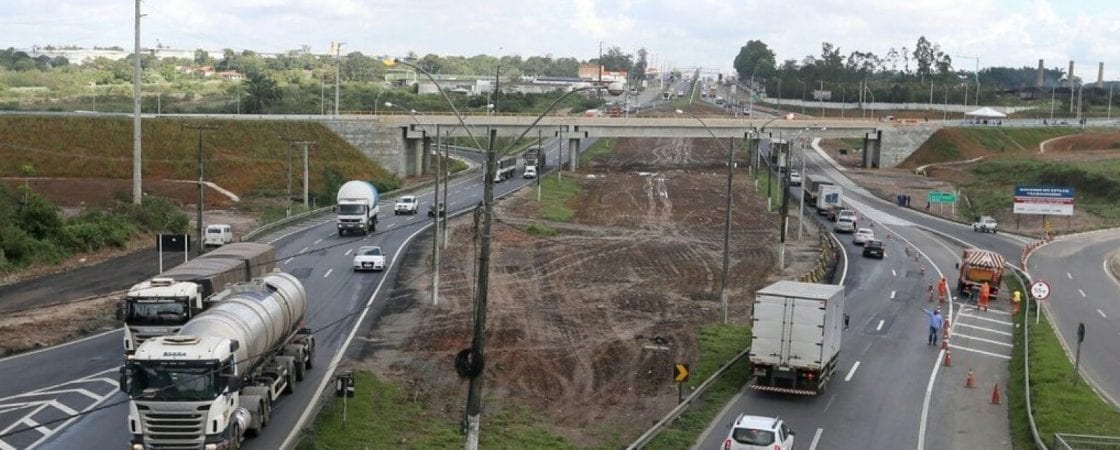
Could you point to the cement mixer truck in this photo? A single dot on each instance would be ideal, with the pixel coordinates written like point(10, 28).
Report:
point(357, 207)
point(217, 380)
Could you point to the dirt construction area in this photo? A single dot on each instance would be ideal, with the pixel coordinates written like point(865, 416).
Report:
point(583, 327)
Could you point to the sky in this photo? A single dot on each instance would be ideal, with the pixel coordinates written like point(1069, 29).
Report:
point(695, 33)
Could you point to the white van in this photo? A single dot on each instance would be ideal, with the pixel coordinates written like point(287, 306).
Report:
point(218, 235)
point(530, 172)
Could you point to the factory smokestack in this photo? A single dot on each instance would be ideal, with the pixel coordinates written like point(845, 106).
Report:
point(1040, 78)
point(1100, 75)
point(1071, 76)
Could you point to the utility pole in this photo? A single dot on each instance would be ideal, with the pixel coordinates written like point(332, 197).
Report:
point(727, 235)
point(304, 144)
point(137, 193)
point(801, 209)
point(446, 184)
point(435, 218)
point(477, 361)
point(239, 97)
point(337, 72)
point(820, 96)
point(201, 186)
point(600, 67)
point(288, 199)
point(785, 212)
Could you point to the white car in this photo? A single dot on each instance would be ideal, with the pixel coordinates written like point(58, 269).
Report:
point(530, 172)
point(369, 258)
point(407, 204)
point(794, 178)
point(844, 225)
point(217, 235)
point(846, 213)
point(758, 433)
point(862, 236)
point(986, 224)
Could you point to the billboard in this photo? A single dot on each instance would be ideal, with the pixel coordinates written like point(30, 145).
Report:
point(1046, 200)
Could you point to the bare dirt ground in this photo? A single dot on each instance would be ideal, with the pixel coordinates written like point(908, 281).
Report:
point(583, 327)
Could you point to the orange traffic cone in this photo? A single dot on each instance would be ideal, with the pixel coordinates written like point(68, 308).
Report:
point(968, 382)
point(945, 343)
point(995, 394)
point(949, 359)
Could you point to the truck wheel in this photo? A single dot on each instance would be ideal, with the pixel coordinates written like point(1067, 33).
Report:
point(340, 232)
point(300, 370)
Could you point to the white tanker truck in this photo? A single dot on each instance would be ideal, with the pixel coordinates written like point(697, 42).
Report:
point(217, 379)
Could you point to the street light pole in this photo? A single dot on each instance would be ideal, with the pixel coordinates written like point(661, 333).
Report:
point(201, 185)
point(136, 79)
point(337, 73)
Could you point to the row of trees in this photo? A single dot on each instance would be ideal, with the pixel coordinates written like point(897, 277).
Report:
point(13, 59)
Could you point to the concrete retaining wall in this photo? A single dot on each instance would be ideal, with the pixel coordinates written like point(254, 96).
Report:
point(384, 145)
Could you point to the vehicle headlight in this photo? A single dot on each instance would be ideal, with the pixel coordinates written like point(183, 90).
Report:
point(137, 446)
point(211, 446)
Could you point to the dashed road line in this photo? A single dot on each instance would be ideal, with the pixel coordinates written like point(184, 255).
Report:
point(852, 372)
point(304, 250)
point(816, 439)
point(892, 295)
point(880, 327)
point(328, 273)
point(318, 241)
point(1101, 313)
point(289, 260)
point(1069, 276)
point(968, 325)
point(894, 273)
point(997, 355)
point(1079, 291)
point(348, 252)
point(980, 339)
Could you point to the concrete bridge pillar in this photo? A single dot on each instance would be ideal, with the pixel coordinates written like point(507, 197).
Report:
point(573, 153)
point(413, 157)
point(428, 156)
point(872, 150)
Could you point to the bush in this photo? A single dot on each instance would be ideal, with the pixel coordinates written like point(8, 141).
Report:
point(158, 214)
point(15, 244)
point(39, 217)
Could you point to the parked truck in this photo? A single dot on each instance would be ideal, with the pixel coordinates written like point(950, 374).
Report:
point(795, 336)
point(829, 196)
point(357, 207)
point(977, 267)
point(218, 379)
point(161, 305)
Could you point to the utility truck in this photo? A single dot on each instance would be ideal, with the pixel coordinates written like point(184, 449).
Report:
point(811, 187)
point(161, 305)
point(357, 207)
point(828, 196)
point(507, 166)
point(978, 267)
point(218, 379)
point(795, 336)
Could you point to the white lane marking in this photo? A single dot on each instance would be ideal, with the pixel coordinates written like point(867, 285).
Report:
point(852, 372)
point(966, 336)
point(348, 252)
point(1069, 276)
point(997, 355)
point(328, 273)
point(1079, 291)
point(1101, 313)
point(331, 233)
point(304, 250)
point(892, 294)
point(1002, 322)
point(967, 325)
point(925, 403)
point(816, 439)
point(880, 327)
point(289, 260)
point(318, 241)
point(389, 226)
point(893, 273)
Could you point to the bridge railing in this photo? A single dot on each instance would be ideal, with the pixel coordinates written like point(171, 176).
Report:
point(1085, 442)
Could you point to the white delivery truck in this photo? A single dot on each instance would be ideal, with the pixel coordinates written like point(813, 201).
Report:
point(357, 207)
point(218, 379)
point(161, 305)
point(795, 337)
point(828, 196)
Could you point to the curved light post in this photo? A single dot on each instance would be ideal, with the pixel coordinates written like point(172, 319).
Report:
point(726, 218)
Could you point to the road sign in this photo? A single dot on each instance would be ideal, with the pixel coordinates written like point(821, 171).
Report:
point(1046, 200)
point(1040, 290)
point(680, 372)
point(941, 197)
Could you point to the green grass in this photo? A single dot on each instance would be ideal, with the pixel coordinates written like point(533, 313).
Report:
point(601, 147)
point(382, 415)
point(1063, 402)
point(541, 230)
point(718, 344)
point(558, 198)
point(775, 185)
point(1096, 184)
point(954, 144)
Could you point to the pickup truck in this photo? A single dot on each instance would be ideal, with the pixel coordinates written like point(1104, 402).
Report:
point(986, 224)
point(406, 205)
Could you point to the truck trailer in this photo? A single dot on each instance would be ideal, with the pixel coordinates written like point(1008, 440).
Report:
point(795, 337)
point(357, 207)
point(217, 380)
point(161, 305)
point(828, 196)
point(977, 267)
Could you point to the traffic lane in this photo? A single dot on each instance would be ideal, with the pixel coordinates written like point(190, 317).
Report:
point(1073, 267)
point(32, 371)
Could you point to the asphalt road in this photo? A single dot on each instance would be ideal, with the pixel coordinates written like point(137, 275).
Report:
point(45, 385)
point(1083, 291)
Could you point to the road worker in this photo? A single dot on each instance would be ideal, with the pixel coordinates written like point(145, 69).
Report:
point(985, 291)
point(943, 289)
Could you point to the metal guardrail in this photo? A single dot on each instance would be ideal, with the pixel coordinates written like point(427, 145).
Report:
point(1085, 442)
point(1024, 280)
point(648, 436)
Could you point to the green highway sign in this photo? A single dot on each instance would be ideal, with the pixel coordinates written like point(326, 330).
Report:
point(941, 197)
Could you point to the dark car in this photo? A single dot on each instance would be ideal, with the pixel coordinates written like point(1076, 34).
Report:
point(874, 249)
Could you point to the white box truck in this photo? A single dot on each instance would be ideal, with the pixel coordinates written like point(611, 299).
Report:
point(218, 379)
point(357, 207)
point(795, 337)
point(828, 196)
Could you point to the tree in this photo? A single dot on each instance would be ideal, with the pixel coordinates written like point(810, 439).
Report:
point(202, 58)
point(615, 60)
point(755, 58)
point(261, 92)
point(640, 65)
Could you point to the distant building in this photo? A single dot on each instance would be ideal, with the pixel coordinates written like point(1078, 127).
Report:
point(590, 72)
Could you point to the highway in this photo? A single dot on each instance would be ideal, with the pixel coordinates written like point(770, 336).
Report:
point(1083, 291)
point(81, 376)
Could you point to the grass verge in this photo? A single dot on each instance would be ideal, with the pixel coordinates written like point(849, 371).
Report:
point(601, 147)
point(1063, 402)
point(718, 344)
point(541, 230)
point(556, 198)
point(382, 415)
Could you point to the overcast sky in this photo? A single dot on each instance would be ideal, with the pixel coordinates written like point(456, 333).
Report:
point(706, 33)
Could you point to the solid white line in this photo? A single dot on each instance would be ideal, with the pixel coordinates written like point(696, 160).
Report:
point(63, 408)
point(997, 355)
point(982, 328)
point(4, 446)
point(318, 241)
point(1081, 292)
point(852, 372)
point(328, 273)
point(816, 439)
point(966, 336)
point(289, 260)
point(893, 273)
point(348, 252)
point(1101, 313)
point(1107, 271)
point(892, 295)
point(1001, 322)
point(1069, 276)
point(880, 327)
point(925, 403)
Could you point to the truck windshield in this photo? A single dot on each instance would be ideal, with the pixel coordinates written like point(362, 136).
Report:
point(175, 380)
point(157, 311)
point(351, 210)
